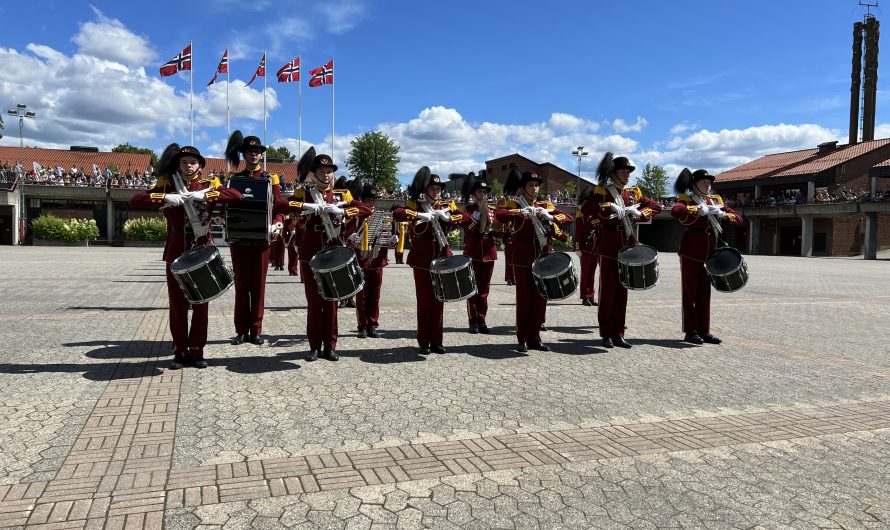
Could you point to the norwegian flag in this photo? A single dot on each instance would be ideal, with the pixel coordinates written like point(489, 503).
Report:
point(183, 61)
point(223, 67)
point(323, 75)
point(289, 72)
point(260, 71)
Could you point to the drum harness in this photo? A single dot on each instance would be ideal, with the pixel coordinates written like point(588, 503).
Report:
point(715, 224)
point(441, 238)
point(329, 230)
point(540, 234)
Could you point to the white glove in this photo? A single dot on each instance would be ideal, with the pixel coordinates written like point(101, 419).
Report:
point(444, 215)
point(355, 238)
point(393, 240)
point(704, 210)
point(476, 216)
point(424, 217)
point(543, 214)
point(715, 210)
point(173, 199)
point(528, 211)
point(198, 195)
point(618, 211)
point(311, 208)
point(333, 209)
point(275, 229)
point(633, 211)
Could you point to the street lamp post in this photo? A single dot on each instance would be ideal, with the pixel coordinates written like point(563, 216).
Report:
point(21, 111)
point(580, 153)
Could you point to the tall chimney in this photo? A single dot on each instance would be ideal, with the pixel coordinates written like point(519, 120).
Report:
point(870, 81)
point(856, 87)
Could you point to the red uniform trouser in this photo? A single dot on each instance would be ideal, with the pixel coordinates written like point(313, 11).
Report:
point(321, 314)
point(508, 263)
point(250, 263)
point(367, 301)
point(531, 307)
point(189, 344)
point(430, 311)
point(588, 275)
point(277, 254)
point(612, 300)
point(477, 305)
point(292, 264)
point(696, 296)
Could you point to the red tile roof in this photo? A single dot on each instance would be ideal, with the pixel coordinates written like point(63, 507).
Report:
point(50, 158)
point(766, 165)
point(841, 155)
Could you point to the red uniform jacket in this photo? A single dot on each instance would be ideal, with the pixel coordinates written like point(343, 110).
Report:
point(480, 246)
point(424, 248)
point(699, 239)
point(522, 230)
point(313, 238)
point(611, 238)
point(179, 229)
point(586, 230)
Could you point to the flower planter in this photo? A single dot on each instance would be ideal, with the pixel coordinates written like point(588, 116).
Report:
point(59, 243)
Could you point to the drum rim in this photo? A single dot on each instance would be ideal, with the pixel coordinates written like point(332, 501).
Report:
point(739, 288)
point(468, 262)
point(573, 291)
point(554, 253)
point(657, 276)
point(732, 249)
point(653, 260)
point(323, 296)
point(351, 255)
point(215, 252)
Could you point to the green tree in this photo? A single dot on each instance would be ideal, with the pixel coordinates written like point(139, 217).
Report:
point(653, 182)
point(374, 158)
point(570, 188)
point(127, 148)
point(281, 153)
point(497, 188)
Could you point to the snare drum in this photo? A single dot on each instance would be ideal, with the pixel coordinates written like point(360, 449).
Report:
point(337, 273)
point(202, 274)
point(247, 221)
point(727, 269)
point(555, 276)
point(638, 267)
point(453, 278)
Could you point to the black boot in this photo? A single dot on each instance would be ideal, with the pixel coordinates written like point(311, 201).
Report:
point(693, 338)
point(710, 339)
point(607, 342)
point(619, 341)
point(313, 356)
point(239, 339)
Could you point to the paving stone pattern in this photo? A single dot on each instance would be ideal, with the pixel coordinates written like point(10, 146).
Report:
point(787, 424)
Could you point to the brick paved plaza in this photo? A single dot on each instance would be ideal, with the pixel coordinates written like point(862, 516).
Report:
point(786, 424)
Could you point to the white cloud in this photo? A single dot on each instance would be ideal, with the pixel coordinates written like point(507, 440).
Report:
point(107, 38)
point(621, 126)
point(341, 16)
point(680, 128)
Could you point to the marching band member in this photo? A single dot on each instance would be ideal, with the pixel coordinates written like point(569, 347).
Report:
point(585, 241)
point(205, 193)
point(321, 317)
point(531, 307)
point(427, 187)
point(251, 261)
point(276, 253)
point(695, 208)
point(290, 234)
point(372, 259)
point(479, 245)
point(605, 205)
point(506, 235)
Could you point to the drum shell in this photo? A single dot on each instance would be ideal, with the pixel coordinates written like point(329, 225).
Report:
point(555, 276)
point(726, 269)
point(638, 274)
point(453, 278)
point(247, 221)
point(337, 273)
point(202, 274)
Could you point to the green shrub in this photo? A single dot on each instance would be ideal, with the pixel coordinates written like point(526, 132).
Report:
point(454, 238)
point(145, 229)
point(568, 245)
point(54, 228)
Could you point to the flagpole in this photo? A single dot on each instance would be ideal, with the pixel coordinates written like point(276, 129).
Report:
point(332, 111)
point(300, 109)
point(264, 109)
point(228, 119)
point(191, 96)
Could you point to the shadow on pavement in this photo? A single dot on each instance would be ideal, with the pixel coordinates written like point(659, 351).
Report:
point(110, 308)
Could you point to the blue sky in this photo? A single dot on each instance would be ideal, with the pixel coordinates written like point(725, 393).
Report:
point(683, 83)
